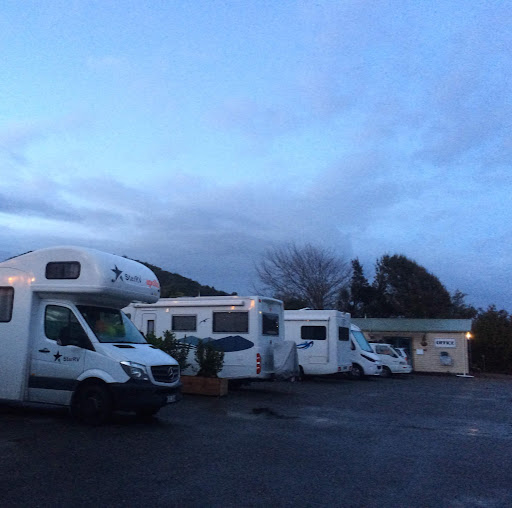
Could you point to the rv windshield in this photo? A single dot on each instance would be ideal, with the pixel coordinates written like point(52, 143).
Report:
point(361, 340)
point(110, 325)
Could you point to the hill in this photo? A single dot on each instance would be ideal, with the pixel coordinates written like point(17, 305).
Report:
point(174, 285)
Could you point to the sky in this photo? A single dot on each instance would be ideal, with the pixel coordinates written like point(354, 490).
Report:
point(196, 134)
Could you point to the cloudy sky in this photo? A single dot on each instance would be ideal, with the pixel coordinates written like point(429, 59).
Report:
point(196, 134)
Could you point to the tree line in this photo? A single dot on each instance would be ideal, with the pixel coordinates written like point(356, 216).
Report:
point(312, 277)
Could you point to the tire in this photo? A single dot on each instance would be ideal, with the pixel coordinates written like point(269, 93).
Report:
point(93, 404)
point(386, 371)
point(357, 372)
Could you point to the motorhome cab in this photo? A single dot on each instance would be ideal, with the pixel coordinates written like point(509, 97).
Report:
point(248, 329)
point(365, 362)
point(64, 339)
point(322, 340)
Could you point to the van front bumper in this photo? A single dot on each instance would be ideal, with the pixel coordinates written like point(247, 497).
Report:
point(136, 395)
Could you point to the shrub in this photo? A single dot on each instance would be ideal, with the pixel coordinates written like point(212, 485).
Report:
point(210, 360)
point(170, 345)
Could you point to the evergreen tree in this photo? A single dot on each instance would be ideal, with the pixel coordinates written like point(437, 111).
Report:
point(360, 295)
point(491, 347)
point(460, 310)
point(405, 289)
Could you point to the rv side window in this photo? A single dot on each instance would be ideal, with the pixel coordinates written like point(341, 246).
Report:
point(61, 324)
point(270, 324)
point(150, 325)
point(231, 322)
point(6, 301)
point(343, 333)
point(184, 323)
point(313, 332)
point(63, 270)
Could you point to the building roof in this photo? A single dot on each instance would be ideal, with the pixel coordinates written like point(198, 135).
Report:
point(412, 325)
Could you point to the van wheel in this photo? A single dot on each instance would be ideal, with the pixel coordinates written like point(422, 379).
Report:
point(93, 404)
point(386, 371)
point(356, 372)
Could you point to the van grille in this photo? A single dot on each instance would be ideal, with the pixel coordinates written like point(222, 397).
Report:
point(165, 373)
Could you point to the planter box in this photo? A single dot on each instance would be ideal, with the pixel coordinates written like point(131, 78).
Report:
point(212, 386)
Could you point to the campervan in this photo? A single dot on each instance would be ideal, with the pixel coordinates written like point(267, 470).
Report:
point(65, 341)
point(365, 362)
point(322, 338)
point(248, 329)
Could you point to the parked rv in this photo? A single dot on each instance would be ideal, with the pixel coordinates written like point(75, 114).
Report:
point(365, 362)
point(392, 362)
point(65, 341)
point(322, 338)
point(248, 329)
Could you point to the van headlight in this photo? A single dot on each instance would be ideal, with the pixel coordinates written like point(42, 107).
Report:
point(135, 370)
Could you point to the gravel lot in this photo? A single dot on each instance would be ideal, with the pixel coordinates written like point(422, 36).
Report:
point(417, 441)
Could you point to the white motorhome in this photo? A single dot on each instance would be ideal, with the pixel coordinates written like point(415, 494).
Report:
point(248, 329)
point(365, 362)
point(322, 340)
point(65, 341)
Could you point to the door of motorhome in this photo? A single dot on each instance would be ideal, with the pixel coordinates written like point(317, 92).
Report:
point(365, 362)
point(246, 329)
point(64, 339)
point(322, 338)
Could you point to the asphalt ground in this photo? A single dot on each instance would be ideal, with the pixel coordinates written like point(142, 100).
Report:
point(416, 441)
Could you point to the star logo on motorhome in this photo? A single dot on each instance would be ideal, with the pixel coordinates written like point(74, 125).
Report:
point(117, 272)
point(57, 356)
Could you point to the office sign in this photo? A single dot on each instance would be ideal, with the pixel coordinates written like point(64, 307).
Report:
point(445, 342)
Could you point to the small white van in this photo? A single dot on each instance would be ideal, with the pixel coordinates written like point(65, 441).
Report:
point(248, 329)
point(65, 341)
point(392, 362)
point(365, 362)
point(322, 338)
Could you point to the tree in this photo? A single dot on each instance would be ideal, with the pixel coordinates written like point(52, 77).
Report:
point(360, 294)
point(460, 310)
point(405, 289)
point(305, 276)
point(491, 348)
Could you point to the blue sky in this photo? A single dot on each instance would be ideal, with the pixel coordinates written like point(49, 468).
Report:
point(196, 134)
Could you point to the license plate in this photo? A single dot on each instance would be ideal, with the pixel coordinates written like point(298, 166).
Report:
point(171, 399)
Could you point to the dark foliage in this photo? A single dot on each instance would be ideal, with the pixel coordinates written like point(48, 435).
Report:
point(210, 360)
point(491, 346)
point(175, 285)
point(170, 345)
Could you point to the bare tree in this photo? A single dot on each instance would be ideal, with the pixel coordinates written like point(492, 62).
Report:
point(310, 275)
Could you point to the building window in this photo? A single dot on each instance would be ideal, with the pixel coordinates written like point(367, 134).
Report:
point(6, 302)
point(184, 323)
point(313, 332)
point(63, 270)
point(230, 322)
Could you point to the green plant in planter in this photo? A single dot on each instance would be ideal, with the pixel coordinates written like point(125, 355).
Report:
point(210, 360)
point(173, 347)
